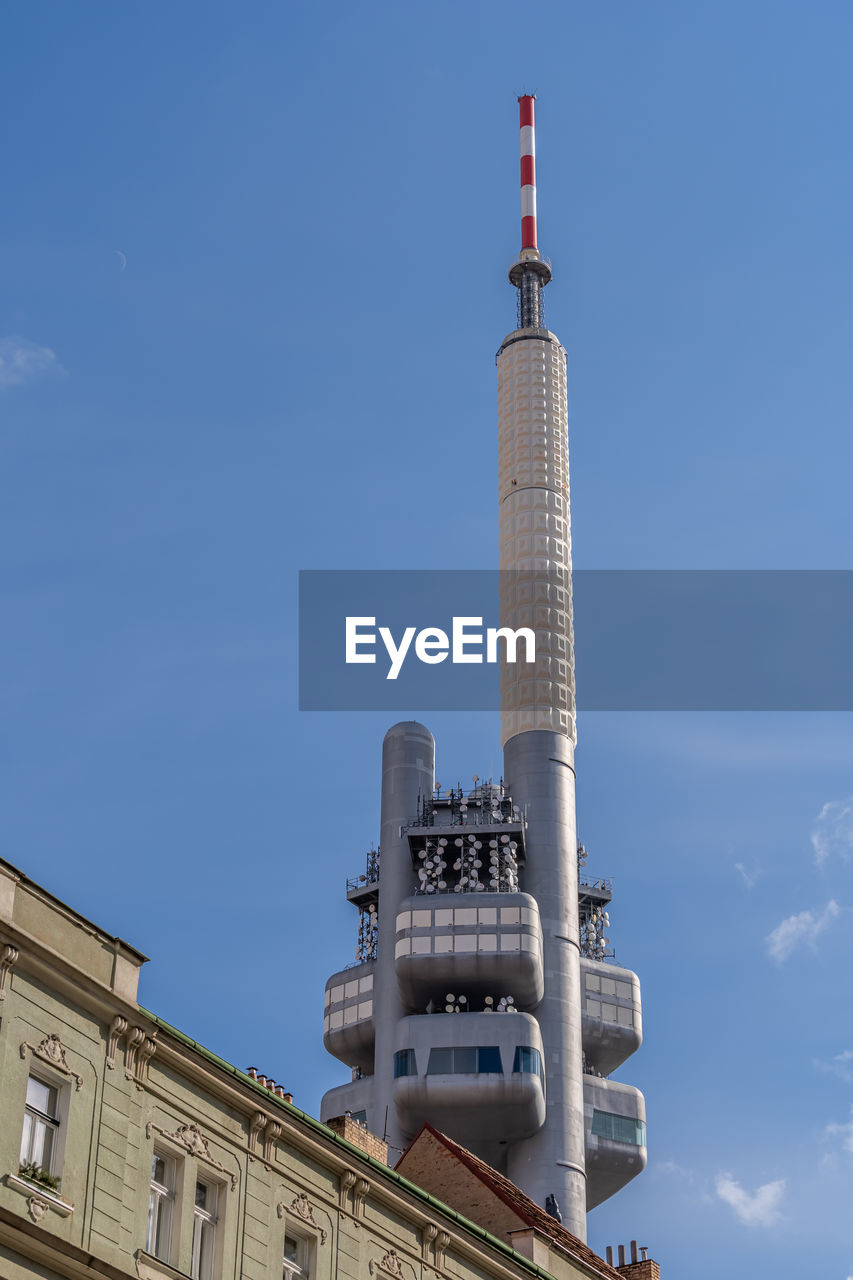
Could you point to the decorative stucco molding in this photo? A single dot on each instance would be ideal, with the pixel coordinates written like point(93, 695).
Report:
point(140, 1047)
point(302, 1208)
point(347, 1182)
point(8, 958)
point(272, 1133)
point(389, 1263)
point(117, 1030)
point(360, 1192)
point(144, 1054)
point(189, 1137)
point(442, 1240)
point(52, 1051)
point(428, 1233)
point(39, 1200)
point(256, 1127)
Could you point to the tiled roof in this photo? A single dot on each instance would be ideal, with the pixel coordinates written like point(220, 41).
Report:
point(520, 1204)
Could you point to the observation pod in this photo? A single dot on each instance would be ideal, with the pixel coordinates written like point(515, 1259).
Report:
point(474, 1075)
point(449, 942)
point(349, 1031)
point(615, 1132)
point(612, 1018)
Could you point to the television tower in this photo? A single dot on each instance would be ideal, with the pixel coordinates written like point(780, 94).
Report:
point(484, 997)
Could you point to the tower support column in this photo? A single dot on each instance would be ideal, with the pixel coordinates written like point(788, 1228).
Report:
point(539, 768)
point(408, 771)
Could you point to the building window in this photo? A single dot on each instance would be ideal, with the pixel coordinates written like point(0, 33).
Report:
point(527, 1060)
point(204, 1231)
point(606, 1124)
point(161, 1199)
point(295, 1263)
point(405, 1064)
point(482, 1060)
point(40, 1138)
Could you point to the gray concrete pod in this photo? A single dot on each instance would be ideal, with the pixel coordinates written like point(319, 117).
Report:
point(476, 1075)
point(356, 1097)
point(615, 1136)
point(611, 1018)
point(487, 944)
point(348, 1027)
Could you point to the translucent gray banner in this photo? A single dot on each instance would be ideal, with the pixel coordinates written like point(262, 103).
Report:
point(645, 640)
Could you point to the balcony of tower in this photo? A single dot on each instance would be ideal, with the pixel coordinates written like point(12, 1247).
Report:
point(614, 1137)
point(611, 1009)
point(349, 1029)
point(611, 1015)
point(467, 925)
point(478, 1078)
point(486, 805)
point(487, 945)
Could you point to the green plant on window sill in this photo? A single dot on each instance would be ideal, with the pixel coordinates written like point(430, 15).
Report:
point(33, 1172)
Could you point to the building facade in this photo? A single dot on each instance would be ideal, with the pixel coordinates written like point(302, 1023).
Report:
point(130, 1152)
point(479, 908)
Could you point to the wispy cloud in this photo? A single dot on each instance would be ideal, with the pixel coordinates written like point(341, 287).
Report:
point(844, 1132)
point(841, 1065)
point(748, 876)
point(758, 1208)
point(802, 929)
point(23, 361)
point(833, 832)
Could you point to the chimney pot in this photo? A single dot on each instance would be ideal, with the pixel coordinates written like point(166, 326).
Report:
point(634, 1251)
point(609, 1255)
point(621, 1255)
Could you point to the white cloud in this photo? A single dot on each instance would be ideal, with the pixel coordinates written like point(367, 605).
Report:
point(844, 1132)
point(833, 833)
point(23, 361)
point(803, 928)
point(755, 1209)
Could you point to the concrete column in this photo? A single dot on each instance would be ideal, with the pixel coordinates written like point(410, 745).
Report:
point(408, 770)
point(539, 770)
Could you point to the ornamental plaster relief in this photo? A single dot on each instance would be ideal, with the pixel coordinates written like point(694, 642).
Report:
point(52, 1051)
point(190, 1137)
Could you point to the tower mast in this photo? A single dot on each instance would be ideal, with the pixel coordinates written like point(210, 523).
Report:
point(478, 909)
point(538, 711)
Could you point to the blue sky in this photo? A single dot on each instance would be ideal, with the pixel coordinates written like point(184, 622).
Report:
point(253, 279)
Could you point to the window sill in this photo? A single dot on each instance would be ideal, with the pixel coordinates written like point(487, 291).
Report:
point(149, 1267)
point(40, 1198)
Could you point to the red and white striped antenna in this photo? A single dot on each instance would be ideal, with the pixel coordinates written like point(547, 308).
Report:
point(528, 171)
point(531, 272)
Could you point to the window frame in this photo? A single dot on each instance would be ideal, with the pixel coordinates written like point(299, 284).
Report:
point(56, 1125)
point(480, 1065)
point(405, 1058)
point(162, 1200)
point(204, 1227)
point(300, 1269)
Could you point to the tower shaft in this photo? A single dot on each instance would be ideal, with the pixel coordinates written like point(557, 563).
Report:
point(487, 1007)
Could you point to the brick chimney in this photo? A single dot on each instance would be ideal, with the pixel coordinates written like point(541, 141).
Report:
point(638, 1268)
point(360, 1136)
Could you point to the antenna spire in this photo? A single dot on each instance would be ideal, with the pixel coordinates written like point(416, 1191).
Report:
point(530, 274)
point(528, 171)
